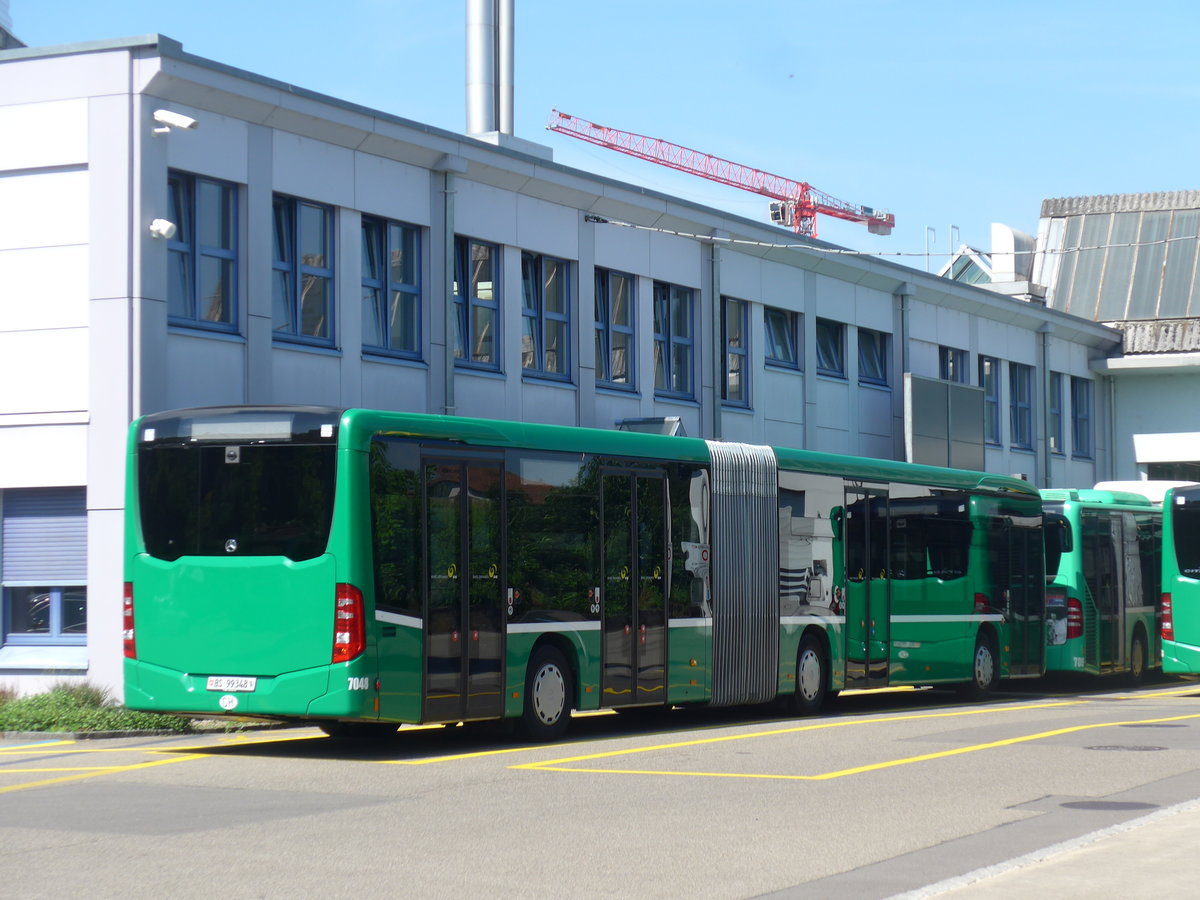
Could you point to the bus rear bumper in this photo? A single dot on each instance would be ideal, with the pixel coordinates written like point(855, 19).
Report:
point(292, 695)
point(1180, 658)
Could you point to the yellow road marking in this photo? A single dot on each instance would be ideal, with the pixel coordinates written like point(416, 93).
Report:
point(560, 765)
point(38, 746)
point(109, 770)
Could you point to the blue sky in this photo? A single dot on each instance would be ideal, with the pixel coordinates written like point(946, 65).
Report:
point(945, 113)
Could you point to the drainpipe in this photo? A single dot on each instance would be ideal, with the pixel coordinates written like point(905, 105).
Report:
point(450, 167)
point(1045, 331)
point(718, 345)
point(904, 293)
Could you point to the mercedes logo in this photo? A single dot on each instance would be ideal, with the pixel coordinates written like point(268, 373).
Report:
point(231, 546)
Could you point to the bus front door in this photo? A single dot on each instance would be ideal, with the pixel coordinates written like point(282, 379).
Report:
point(464, 637)
point(634, 567)
point(868, 626)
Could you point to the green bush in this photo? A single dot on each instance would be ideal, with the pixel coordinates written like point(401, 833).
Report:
point(80, 706)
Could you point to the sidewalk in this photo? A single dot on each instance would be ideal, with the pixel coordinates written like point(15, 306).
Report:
point(1157, 855)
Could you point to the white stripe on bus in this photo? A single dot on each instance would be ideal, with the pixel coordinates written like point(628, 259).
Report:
point(812, 620)
point(533, 627)
point(907, 620)
point(397, 619)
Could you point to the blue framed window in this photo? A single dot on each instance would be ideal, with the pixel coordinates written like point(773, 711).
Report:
point(391, 287)
point(782, 328)
point(614, 330)
point(202, 254)
point(873, 357)
point(831, 348)
point(1020, 405)
point(989, 380)
point(1082, 444)
point(952, 365)
point(735, 337)
point(302, 277)
point(1054, 412)
point(545, 316)
point(477, 304)
point(674, 341)
point(43, 565)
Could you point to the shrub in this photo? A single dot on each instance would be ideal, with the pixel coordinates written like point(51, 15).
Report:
point(80, 706)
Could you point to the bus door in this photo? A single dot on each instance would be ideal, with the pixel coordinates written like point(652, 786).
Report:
point(464, 630)
point(1019, 564)
point(1103, 612)
point(633, 590)
point(868, 607)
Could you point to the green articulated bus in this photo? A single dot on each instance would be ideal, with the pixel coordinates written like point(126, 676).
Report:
point(356, 569)
point(1181, 581)
point(1103, 571)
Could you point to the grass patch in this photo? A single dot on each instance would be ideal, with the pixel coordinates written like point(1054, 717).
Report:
point(79, 706)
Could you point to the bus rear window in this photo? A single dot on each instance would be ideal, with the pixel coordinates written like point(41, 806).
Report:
point(271, 499)
point(1185, 520)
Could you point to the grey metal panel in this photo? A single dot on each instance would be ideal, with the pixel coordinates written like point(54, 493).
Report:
point(1108, 203)
point(745, 565)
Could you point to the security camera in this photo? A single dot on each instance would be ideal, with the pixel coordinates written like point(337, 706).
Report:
point(168, 120)
point(162, 228)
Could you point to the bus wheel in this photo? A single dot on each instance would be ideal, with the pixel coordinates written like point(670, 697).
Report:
point(359, 731)
point(548, 693)
point(1137, 659)
point(985, 673)
point(812, 677)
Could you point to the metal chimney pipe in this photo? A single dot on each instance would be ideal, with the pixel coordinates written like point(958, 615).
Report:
point(505, 22)
point(490, 66)
point(481, 66)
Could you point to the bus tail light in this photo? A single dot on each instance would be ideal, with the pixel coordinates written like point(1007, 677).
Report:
point(127, 622)
point(982, 603)
point(1074, 618)
point(349, 629)
point(1168, 619)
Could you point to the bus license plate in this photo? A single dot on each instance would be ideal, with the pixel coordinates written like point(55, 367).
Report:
point(230, 684)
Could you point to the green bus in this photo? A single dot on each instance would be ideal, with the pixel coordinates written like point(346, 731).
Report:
point(1181, 580)
point(1103, 570)
point(358, 569)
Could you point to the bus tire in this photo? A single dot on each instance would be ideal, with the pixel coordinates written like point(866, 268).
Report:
point(549, 688)
point(1137, 658)
point(359, 731)
point(985, 668)
point(812, 677)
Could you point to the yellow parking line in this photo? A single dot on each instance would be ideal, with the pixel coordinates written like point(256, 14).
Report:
point(111, 770)
point(560, 765)
point(38, 746)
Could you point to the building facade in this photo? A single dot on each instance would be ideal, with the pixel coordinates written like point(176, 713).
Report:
point(175, 232)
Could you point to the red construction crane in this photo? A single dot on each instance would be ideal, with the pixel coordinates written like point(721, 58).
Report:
point(796, 202)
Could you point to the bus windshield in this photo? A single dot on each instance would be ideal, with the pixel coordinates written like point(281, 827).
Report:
point(256, 499)
point(1185, 514)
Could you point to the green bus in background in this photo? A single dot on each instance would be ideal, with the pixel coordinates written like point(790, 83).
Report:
point(357, 569)
point(1181, 581)
point(1104, 551)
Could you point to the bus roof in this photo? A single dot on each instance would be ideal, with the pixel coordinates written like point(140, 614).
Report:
point(1095, 497)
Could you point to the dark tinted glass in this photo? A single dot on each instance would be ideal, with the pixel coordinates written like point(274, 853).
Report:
point(930, 537)
point(1185, 518)
point(273, 500)
point(396, 524)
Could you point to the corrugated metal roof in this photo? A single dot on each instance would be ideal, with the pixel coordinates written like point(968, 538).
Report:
point(1160, 335)
point(1107, 203)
